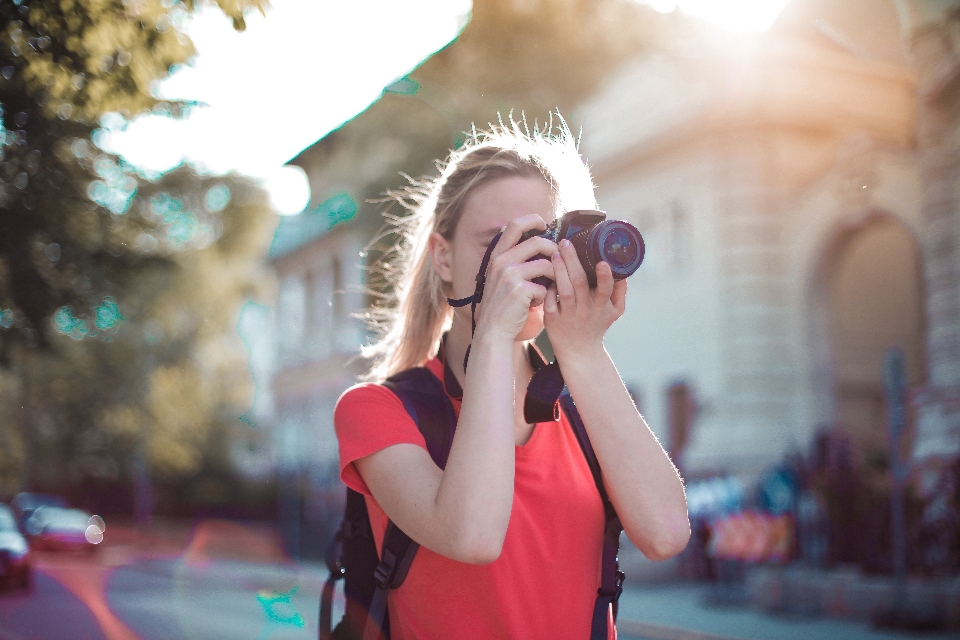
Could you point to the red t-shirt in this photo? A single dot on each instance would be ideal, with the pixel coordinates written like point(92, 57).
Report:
point(543, 585)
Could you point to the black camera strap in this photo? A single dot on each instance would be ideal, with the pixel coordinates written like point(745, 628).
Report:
point(546, 385)
point(540, 403)
point(477, 296)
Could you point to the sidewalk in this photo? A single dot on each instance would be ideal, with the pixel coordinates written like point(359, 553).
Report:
point(679, 612)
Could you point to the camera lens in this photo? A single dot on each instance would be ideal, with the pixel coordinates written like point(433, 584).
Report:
point(619, 244)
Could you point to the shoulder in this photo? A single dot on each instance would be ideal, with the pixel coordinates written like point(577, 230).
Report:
point(366, 397)
point(369, 417)
point(370, 412)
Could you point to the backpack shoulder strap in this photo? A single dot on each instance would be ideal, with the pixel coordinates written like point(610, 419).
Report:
point(426, 401)
point(611, 577)
point(352, 550)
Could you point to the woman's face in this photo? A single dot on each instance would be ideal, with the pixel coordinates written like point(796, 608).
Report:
point(486, 210)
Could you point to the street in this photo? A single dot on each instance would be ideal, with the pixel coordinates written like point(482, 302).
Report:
point(163, 599)
point(221, 580)
point(157, 592)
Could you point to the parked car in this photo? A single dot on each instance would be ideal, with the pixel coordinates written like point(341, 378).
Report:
point(15, 566)
point(58, 529)
point(25, 503)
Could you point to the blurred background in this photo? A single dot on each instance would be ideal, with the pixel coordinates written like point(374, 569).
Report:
point(189, 204)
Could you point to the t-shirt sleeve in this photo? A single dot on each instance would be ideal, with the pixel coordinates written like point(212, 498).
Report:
point(368, 418)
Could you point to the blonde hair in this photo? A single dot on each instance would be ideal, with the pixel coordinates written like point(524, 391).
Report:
point(412, 319)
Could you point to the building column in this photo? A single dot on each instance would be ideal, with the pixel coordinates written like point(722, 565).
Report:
point(757, 405)
point(935, 55)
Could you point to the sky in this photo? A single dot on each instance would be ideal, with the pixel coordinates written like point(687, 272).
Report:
point(732, 15)
point(304, 69)
point(282, 84)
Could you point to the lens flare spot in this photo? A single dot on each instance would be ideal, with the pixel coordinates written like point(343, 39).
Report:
point(108, 314)
point(278, 608)
point(93, 534)
point(66, 323)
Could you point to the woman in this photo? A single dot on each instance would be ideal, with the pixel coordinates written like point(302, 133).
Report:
point(511, 530)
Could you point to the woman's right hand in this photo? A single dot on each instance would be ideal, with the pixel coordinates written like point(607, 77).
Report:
point(509, 292)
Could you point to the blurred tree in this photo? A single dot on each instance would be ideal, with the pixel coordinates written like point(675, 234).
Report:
point(64, 64)
point(119, 290)
point(160, 368)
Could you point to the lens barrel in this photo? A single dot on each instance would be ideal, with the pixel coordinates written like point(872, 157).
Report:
point(616, 242)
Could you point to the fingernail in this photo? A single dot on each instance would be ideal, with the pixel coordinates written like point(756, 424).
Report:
point(565, 242)
point(556, 255)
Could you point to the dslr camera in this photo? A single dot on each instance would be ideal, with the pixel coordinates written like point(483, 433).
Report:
point(596, 239)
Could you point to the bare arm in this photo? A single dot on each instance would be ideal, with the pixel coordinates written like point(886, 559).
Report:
point(457, 512)
point(462, 511)
point(642, 482)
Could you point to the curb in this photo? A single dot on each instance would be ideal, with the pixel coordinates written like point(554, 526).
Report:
point(650, 631)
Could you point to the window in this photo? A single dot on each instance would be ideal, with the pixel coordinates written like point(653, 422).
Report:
point(292, 309)
point(680, 406)
point(680, 249)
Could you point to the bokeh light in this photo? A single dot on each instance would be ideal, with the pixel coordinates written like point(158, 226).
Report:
point(288, 188)
point(217, 198)
point(106, 316)
point(93, 534)
point(98, 522)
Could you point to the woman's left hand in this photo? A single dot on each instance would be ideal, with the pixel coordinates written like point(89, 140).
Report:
point(641, 480)
point(577, 317)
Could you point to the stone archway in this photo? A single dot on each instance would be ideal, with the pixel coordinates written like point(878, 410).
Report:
point(872, 289)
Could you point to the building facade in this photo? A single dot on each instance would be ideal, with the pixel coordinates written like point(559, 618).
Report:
point(797, 192)
point(316, 337)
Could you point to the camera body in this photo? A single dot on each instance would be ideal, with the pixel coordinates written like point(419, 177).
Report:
point(596, 239)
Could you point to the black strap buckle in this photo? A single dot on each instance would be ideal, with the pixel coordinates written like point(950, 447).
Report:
point(613, 594)
point(384, 571)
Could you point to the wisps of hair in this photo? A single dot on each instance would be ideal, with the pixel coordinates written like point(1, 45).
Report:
point(411, 311)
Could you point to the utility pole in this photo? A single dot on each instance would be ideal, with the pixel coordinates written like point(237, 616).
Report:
point(895, 383)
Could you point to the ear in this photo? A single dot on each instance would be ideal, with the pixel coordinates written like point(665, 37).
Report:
point(440, 253)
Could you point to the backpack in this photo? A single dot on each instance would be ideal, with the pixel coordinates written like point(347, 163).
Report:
point(353, 554)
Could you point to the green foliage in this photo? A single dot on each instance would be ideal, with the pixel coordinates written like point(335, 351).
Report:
point(82, 58)
point(119, 291)
point(161, 366)
point(65, 65)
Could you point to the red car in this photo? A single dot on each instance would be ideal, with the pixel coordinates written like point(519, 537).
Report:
point(59, 529)
point(15, 567)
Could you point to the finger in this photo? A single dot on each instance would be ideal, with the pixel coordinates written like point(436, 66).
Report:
point(550, 305)
point(619, 297)
point(516, 228)
point(562, 278)
point(578, 277)
point(527, 249)
point(534, 269)
point(538, 296)
point(604, 282)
